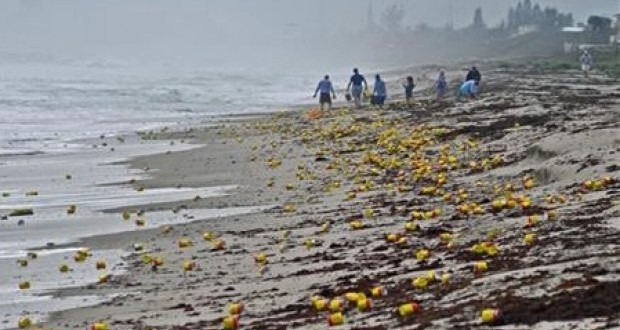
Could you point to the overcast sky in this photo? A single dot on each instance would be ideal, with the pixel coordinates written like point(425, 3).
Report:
point(323, 15)
point(224, 29)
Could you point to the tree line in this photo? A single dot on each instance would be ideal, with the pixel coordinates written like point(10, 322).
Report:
point(525, 13)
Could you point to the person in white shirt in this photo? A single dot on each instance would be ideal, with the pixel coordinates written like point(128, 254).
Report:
point(586, 63)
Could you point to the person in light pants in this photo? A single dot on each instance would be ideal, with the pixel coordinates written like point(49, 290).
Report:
point(355, 85)
point(586, 63)
point(379, 92)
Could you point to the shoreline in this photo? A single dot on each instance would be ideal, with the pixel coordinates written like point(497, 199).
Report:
point(296, 273)
point(54, 251)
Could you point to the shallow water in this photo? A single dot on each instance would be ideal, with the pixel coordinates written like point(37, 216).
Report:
point(44, 276)
point(52, 118)
point(92, 171)
point(46, 105)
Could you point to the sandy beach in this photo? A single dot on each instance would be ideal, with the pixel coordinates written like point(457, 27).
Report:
point(510, 202)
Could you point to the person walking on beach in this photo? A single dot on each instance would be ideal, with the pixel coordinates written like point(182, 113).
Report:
point(586, 63)
point(355, 85)
point(474, 75)
point(326, 90)
point(468, 89)
point(379, 93)
point(441, 85)
point(409, 86)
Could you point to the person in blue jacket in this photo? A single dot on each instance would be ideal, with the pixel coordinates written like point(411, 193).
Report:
point(326, 90)
point(355, 85)
point(468, 89)
point(380, 91)
point(441, 85)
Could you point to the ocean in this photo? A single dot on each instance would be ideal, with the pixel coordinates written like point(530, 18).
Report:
point(44, 106)
point(65, 129)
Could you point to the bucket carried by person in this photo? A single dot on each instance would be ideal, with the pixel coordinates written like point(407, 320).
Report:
point(367, 95)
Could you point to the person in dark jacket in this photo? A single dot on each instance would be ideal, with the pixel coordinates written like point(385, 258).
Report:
point(441, 85)
point(474, 75)
point(409, 86)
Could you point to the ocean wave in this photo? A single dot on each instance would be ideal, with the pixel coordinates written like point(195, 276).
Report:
point(15, 153)
point(167, 96)
point(101, 96)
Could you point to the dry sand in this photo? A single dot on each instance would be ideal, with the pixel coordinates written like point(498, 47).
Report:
point(555, 128)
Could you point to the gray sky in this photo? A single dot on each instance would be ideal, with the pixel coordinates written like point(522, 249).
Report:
point(226, 31)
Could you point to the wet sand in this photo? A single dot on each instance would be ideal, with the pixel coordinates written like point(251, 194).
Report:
point(334, 188)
